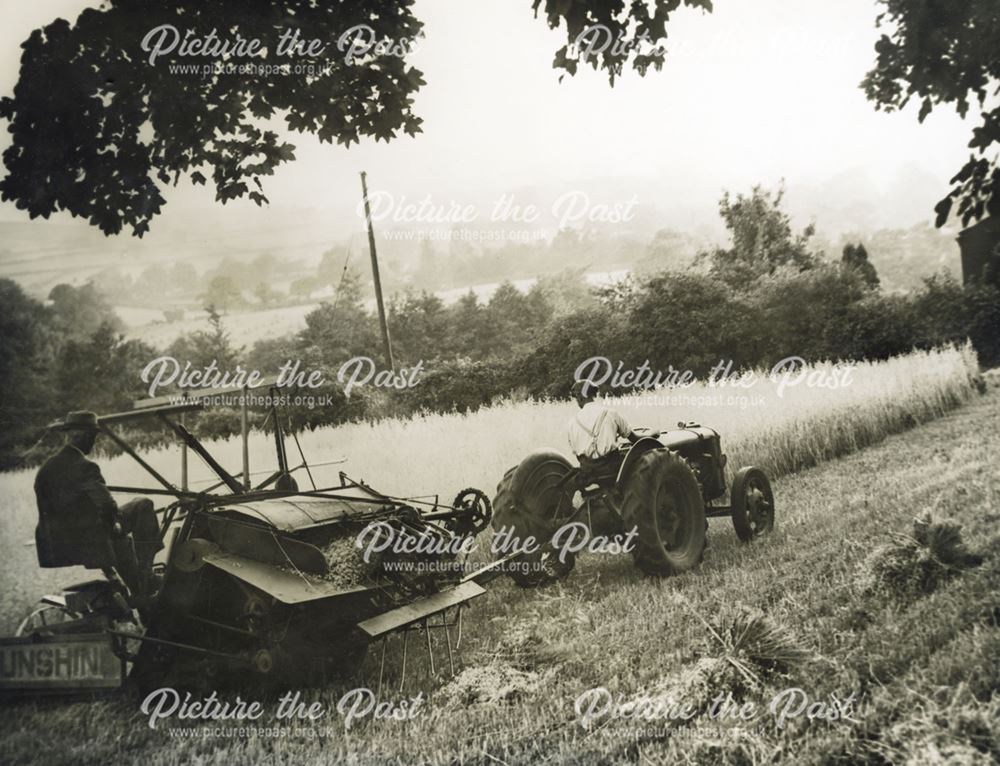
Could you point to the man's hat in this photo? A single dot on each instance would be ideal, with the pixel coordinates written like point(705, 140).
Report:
point(81, 420)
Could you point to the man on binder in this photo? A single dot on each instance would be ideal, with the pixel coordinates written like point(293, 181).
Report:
point(79, 522)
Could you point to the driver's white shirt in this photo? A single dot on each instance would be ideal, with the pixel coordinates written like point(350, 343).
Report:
point(595, 429)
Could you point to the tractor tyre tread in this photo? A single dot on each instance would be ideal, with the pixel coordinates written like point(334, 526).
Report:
point(661, 470)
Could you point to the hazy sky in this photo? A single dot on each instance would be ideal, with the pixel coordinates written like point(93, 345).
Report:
point(752, 92)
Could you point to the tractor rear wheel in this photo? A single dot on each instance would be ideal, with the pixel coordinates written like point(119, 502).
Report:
point(663, 502)
point(530, 502)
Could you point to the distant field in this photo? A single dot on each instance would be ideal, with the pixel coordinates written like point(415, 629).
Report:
point(925, 667)
point(247, 327)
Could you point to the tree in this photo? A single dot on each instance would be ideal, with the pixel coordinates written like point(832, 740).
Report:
point(689, 321)
point(513, 320)
point(855, 258)
point(25, 358)
point(183, 277)
point(264, 266)
point(92, 104)
point(101, 372)
point(243, 276)
point(419, 327)
point(470, 331)
point(669, 250)
point(762, 239)
point(303, 287)
point(203, 347)
point(566, 291)
point(945, 52)
point(222, 293)
point(331, 266)
point(340, 329)
point(108, 123)
point(113, 284)
point(617, 32)
point(570, 339)
point(946, 311)
point(79, 311)
point(903, 257)
point(265, 294)
point(803, 313)
point(151, 284)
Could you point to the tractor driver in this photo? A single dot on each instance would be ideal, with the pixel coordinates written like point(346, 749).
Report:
point(79, 522)
point(594, 431)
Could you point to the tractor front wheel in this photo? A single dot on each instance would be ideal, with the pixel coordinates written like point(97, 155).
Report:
point(752, 503)
point(662, 502)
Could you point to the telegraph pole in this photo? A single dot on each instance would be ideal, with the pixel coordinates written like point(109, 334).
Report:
point(386, 343)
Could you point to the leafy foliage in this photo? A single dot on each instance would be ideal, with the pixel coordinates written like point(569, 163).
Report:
point(202, 347)
point(341, 329)
point(619, 32)
point(855, 257)
point(903, 257)
point(99, 131)
point(25, 355)
point(462, 385)
point(100, 372)
point(789, 303)
point(79, 311)
point(762, 239)
point(944, 308)
point(945, 52)
point(223, 293)
point(703, 317)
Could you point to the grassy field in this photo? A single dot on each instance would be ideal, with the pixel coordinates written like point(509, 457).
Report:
point(245, 327)
point(808, 607)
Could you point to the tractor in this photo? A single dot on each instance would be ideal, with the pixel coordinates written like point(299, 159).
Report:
point(664, 486)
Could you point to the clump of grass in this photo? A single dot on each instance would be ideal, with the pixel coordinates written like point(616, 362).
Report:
point(755, 645)
point(913, 565)
point(494, 683)
point(743, 650)
point(516, 668)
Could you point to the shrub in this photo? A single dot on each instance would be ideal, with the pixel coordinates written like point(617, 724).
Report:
point(946, 311)
point(462, 385)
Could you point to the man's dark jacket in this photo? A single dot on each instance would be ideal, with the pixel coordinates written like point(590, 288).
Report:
point(76, 512)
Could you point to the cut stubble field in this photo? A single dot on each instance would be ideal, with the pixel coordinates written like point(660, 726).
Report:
point(922, 666)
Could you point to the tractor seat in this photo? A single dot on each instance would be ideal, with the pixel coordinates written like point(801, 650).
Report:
point(603, 471)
